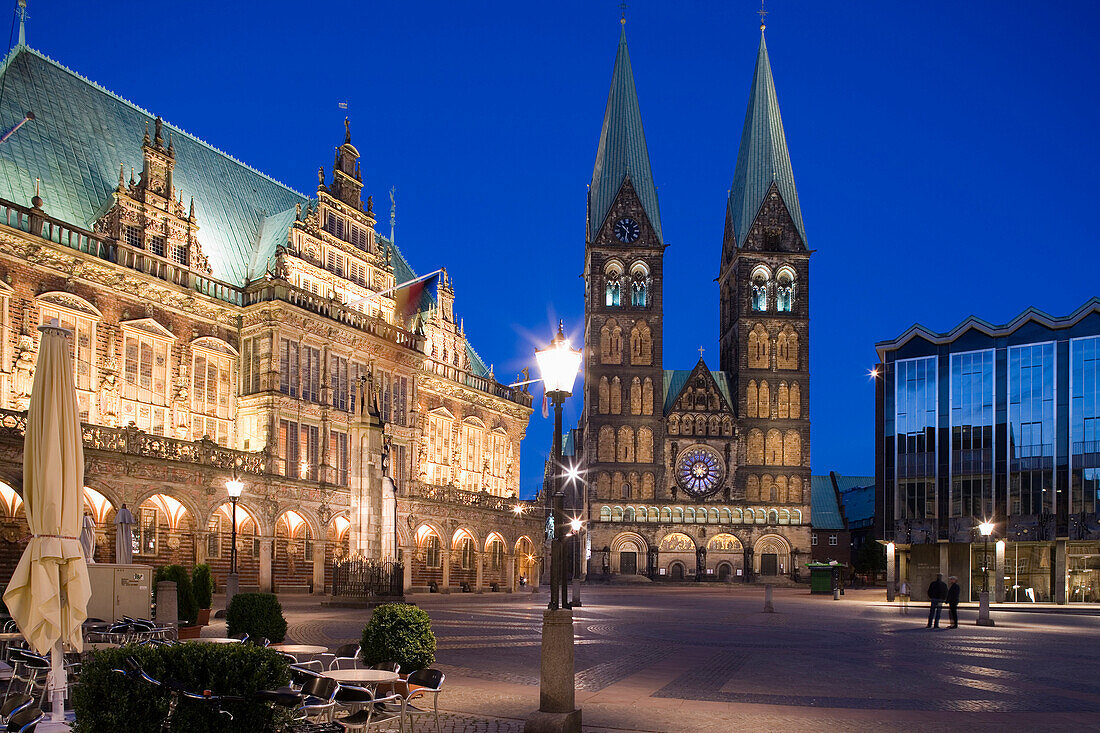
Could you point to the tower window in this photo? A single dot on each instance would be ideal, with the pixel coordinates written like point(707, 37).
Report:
point(613, 290)
point(760, 277)
point(784, 290)
point(639, 285)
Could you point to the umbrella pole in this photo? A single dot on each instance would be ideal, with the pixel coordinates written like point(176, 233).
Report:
point(57, 683)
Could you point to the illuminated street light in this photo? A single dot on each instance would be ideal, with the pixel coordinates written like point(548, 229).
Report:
point(234, 487)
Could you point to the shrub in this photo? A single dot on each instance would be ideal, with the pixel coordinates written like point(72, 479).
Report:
point(399, 632)
point(186, 610)
point(106, 701)
point(256, 614)
point(202, 583)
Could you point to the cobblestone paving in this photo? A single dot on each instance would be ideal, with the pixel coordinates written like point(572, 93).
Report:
point(687, 659)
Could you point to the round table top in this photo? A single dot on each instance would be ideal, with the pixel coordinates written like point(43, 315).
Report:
point(361, 675)
point(216, 640)
point(299, 648)
point(10, 636)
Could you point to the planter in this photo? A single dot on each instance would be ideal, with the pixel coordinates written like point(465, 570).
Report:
point(188, 632)
point(204, 617)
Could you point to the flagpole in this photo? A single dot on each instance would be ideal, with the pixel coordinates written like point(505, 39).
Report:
point(372, 296)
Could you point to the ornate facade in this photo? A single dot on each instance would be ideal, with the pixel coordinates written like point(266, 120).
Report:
point(695, 473)
point(225, 324)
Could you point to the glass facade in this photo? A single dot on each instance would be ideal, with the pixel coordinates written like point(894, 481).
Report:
point(1031, 436)
point(915, 420)
point(1084, 424)
point(972, 446)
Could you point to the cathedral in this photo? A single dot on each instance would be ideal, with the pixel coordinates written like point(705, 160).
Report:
point(695, 474)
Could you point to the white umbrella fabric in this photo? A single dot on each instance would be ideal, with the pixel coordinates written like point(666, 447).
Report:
point(124, 536)
point(87, 538)
point(49, 591)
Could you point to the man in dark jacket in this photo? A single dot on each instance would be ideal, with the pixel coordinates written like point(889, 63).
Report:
point(953, 591)
point(937, 593)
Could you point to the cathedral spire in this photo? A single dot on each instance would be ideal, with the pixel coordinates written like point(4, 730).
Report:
point(762, 158)
point(622, 151)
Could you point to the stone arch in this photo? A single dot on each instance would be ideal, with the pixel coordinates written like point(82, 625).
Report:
point(616, 396)
point(641, 344)
point(767, 488)
point(794, 490)
point(648, 487)
point(618, 483)
point(674, 424)
point(647, 396)
point(781, 495)
point(605, 445)
point(764, 409)
point(727, 426)
point(783, 401)
point(628, 542)
point(724, 542)
point(773, 448)
point(759, 343)
point(635, 396)
point(772, 544)
point(463, 532)
point(677, 542)
point(712, 425)
point(626, 444)
point(796, 401)
point(792, 448)
point(645, 445)
point(611, 342)
point(700, 424)
point(294, 522)
point(687, 425)
point(604, 396)
point(755, 448)
point(786, 351)
point(752, 399)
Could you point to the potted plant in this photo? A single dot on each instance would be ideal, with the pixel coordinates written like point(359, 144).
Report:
point(202, 583)
point(399, 632)
point(256, 614)
point(186, 612)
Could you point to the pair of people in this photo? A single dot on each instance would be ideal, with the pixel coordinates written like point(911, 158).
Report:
point(940, 593)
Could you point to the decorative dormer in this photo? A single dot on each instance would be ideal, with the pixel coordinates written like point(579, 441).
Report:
point(347, 180)
point(149, 214)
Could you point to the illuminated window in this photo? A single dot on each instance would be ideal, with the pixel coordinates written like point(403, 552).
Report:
point(211, 392)
point(146, 349)
point(760, 277)
point(784, 290)
point(432, 555)
point(145, 538)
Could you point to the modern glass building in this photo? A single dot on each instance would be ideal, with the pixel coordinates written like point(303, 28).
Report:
point(999, 424)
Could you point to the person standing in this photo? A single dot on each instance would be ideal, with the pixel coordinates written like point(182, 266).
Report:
point(953, 601)
point(903, 598)
point(937, 593)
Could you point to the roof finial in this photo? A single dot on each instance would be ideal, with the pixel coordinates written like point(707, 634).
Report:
point(762, 13)
point(622, 9)
point(347, 130)
point(22, 13)
point(393, 211)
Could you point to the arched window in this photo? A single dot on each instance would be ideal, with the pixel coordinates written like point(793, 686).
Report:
point(636, 396)
point(786, 349)
point(689, 515)
point(727, 516)
point(755, 448)
point(700, 425)
point(792, 448)
point(781, 489)
point(796, 401)
point(784, 289)
point(767, 488)
point(628, 514)
point(794, 491)
point(466, 553)
point(617, 514)
point(673, 424)
point(611, 342)
point(638, 290)
point(727, 426)
point(686, 425)
point(773, 448)
point(666, 514)
point(641, 344)
point(752, 488)
point(605, 446)
point(752, 399)
point(648, 489)
point(678, 515)
point(603, 485)
point(645, 445)
point(783, 403)
point(758, 347)
point(647, 396)
point(605, 514)
point(626, 445)
point(653, 516)
point(616, 396)
point(760, 288)
point(736, 516)
point(712, 425)
point(764, 407)
point(432, 557)
point(604, 396)
point(612, 293)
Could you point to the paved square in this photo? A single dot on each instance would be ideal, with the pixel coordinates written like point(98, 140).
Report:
point(708, 659)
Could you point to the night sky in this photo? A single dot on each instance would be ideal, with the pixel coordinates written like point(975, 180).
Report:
point(946, 155)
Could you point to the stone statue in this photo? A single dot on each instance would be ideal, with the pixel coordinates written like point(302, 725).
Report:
point(23, 372)
point(321, 177)
point(108, 398)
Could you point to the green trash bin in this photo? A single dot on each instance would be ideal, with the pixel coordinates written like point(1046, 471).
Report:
point(823, 576)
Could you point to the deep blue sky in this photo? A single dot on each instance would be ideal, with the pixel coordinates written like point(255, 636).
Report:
point(946, 155)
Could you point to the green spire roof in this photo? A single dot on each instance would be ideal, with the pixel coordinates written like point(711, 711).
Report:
point(762, 158)
point(622, 150)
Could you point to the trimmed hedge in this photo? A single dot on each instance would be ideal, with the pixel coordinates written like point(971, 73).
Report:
point(186, 609)
point(104, 700)
point(399, 632)
point(202, 583)
point(256, 614)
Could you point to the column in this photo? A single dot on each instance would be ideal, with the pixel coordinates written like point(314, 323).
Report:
point(999, 572)
point(891, 570)
point(407, 557)
point(512, 560)
point(318, 568)
point(445, 584)
point(1059, 567)
point(265, 565)
point(479, 562)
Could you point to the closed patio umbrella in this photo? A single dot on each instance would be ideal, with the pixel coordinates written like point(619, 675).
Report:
point(87, 538)
point(124, 536)
point(49, 591)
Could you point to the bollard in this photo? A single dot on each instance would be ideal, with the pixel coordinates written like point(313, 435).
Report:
point(768, 607)
point(983, 610)
point(836, 593)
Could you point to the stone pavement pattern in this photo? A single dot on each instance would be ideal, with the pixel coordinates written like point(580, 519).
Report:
point(709, 659)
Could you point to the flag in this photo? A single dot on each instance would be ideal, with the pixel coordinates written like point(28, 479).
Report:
point(545, 407)
point(408, 299)
point(342, 105)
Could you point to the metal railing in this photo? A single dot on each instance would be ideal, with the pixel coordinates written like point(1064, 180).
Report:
point(461, 497)
point(360, 578)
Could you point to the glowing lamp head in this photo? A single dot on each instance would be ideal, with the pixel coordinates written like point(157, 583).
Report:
point(572, 474)
point(575, 524)
point(234, 487)
point(517, 509)
point(986, 528)
point(558, 364)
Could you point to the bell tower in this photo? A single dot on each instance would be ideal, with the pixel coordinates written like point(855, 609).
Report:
point(622, 425)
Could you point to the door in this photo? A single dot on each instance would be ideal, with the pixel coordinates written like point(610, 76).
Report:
point(769, 564)
point(628, 563)
point(723, 572)
point(677, 571)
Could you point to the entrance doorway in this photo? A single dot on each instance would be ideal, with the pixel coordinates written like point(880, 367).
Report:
point(628, 563)
point(677, 571)
point(769, 564)
point(724, 572)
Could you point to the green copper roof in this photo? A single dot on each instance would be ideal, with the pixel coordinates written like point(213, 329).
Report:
point(762, 158)
point(824, 504)
point(82, 133)
point(675, 379)
point(622, 150)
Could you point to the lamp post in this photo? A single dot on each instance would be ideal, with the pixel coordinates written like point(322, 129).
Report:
point(576, 525)
point(986, 529)
point(233, 487)
point(557, 711)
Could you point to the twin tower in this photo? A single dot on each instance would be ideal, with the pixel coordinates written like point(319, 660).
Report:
point(694, 471)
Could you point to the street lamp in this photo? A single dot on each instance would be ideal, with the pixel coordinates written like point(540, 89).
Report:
point(986, 529)
point(557, 711)
point(233, 487)
point(558, 364)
